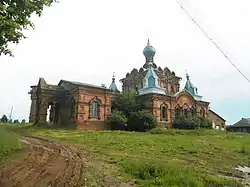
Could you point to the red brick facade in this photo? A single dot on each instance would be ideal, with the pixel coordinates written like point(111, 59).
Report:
point(85, 106)
point(78, 105)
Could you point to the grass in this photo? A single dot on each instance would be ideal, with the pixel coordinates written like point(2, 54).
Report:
point(9, 143)
point(193, 158)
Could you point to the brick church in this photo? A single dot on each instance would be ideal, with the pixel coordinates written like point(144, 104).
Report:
point(86, 106)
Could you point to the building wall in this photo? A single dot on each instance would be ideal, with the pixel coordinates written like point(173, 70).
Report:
point(84, 118)
point(183, 101)
point(33, 105)
point(135, 79)
point(217, 121)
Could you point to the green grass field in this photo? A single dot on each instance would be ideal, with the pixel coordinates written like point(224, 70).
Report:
point(9, 143)
point(164, 158)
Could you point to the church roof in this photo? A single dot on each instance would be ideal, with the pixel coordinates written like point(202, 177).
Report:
point(151, 84)
point(149, 50)
point(190, 87)
point(82, 84)
point(113, 86)
point(210, 110)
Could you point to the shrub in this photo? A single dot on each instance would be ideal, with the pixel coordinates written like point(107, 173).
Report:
point(158, 130)
point(183, 122)
point(116, 121)
point(141, 121)
point(205, 123)
point(193, 122)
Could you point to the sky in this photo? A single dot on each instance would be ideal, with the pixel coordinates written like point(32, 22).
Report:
point(86, 41)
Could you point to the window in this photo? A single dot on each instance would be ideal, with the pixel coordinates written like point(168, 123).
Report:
point(164, 113)
point(202, 112)
point(151, 81)
point(95, 109)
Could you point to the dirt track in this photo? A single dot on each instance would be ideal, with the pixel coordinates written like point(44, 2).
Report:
point(48, 164)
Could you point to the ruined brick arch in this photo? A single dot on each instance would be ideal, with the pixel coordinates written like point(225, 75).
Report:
point(52, 106)
point(95, 108)
point(49, 100)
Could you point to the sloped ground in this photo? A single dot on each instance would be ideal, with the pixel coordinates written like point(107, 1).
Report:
point(158, 158)
point(51, 164)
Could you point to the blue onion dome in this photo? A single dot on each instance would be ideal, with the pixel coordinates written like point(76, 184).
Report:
point(149, 50)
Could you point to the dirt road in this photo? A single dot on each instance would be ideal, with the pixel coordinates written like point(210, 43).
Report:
point(47, 164)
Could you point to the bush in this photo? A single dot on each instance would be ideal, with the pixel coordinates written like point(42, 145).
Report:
point(116, 121)
point(158, 130)
point(194, 122)
point(141, 121)
point(205, 123)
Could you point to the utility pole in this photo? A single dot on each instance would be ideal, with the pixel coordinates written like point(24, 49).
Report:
point(11, 110)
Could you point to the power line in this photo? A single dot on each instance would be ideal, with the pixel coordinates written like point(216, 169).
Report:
point(220, 49)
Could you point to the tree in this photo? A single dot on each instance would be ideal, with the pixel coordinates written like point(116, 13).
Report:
point(4, 119)
point(16, 121)
point(127, 103)
point(15, 17)
point(23, 121)
point(117, 121)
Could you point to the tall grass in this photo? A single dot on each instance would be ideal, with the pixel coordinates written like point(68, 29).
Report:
point(9, 143)
point(164, 157)
point(157, 173)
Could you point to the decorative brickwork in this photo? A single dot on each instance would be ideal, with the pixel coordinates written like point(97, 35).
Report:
point(86, 106)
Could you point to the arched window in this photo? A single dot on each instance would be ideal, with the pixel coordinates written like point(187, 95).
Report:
point(95, 109)
point(164, 113)
point(202, 112)
point(151, 81)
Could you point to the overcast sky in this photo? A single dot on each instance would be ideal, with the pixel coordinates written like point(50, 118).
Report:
point(87, 41)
